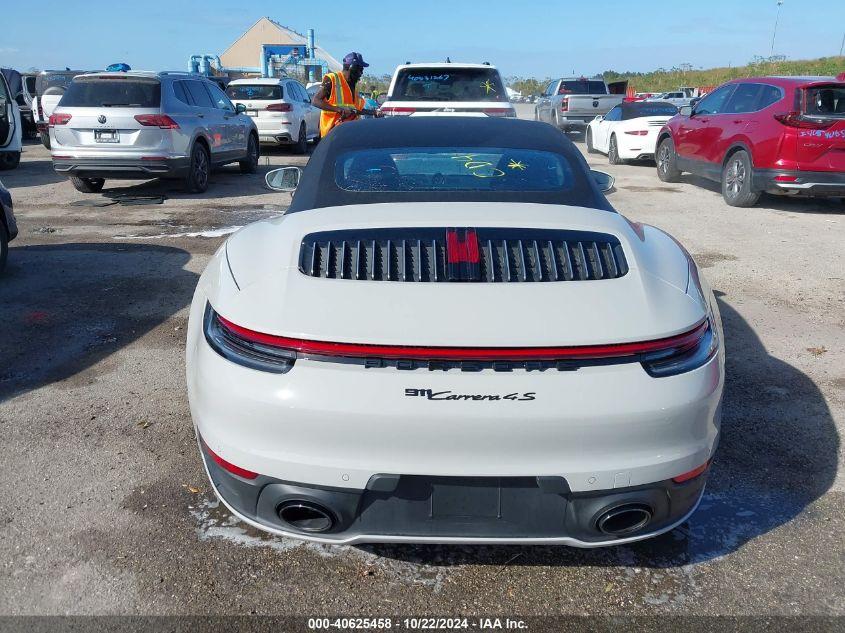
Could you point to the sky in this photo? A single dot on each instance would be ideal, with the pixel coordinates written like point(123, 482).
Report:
point(526, 38)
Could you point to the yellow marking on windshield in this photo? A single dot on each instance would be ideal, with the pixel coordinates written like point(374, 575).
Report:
point(517, 164)
point(479, 168)
point(488, 87)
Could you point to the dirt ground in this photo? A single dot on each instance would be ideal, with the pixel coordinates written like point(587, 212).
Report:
point(105, 508)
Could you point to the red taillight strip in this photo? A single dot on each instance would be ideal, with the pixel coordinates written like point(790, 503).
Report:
point(235, 470)
point(692, 474)
point(358, 350)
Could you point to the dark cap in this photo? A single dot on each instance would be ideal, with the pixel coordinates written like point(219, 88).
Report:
point(354, 59)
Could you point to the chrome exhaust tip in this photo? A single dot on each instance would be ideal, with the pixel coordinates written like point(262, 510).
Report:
point(624, 519)
point(306, 516)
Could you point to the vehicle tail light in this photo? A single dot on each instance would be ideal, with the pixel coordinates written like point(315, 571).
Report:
point(397, 111)
point(785, 178)
point(229, 466)
point(245, 347)
point(688, 354)
point(637, 132)
point(507, 112)
point(692, 474)
point(59, 118)
point(564, 105)
point(796, 119)
point(279, 107)
point(157, 120)
point(277, 354)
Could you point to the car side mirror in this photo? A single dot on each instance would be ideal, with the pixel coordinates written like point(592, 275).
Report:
point(685, 111)
point(599, 117)
point(240, 108)
point(603, 180)
point(283, 179)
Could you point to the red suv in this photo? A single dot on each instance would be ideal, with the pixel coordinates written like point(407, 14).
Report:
point(775, 134)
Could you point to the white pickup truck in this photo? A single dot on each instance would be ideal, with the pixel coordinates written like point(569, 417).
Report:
point(572, 102)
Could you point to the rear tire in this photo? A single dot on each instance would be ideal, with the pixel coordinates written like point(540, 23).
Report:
point(45, 139)
point(4, 246)
point(197, 179)
point(666, 159)
point(736, 181)
point(9, 160)
point(613, 152)
point(88, 185)
point(250, 164)
point(301, 145)
point(589, 141)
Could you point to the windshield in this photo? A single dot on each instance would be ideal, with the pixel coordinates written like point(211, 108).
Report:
point(257, 92)
point(55, 79)
point(449, 84)
point(452, 169)
point(112, 92)
point(636, 109)
point(582, 87)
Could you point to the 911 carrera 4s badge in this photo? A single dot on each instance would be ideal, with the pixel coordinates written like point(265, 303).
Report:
point(430, 394)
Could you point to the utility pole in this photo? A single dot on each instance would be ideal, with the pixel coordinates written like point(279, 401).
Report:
point(842, 47)
point(774, 32)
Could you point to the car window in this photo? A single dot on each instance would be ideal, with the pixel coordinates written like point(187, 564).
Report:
point(826, 101)
point(98, 92)
point(221, 101)
point(199, 95)
point(449, 84)
point(714, 103)
point(768, 96)
point(550, 89)
point(582, 87)
point(452, 169)
point(255, 92)
point(300, 89)
point(181, 94)
point(4, 93)
point(744, 99)
point(615, 114)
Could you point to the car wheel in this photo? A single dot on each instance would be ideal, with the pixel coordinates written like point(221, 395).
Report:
point(197, 179)
point(9, 160)
point(250, 163)
point(301, 145)
point(45, 139)
point(613, 152)
point(4, 246)
point(736, 181)
point(589, 139)
point(87, 185)
point(667, 168)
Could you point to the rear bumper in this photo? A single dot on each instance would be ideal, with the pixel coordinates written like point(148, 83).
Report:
point(574, 120)
point(810, 183)
point(121, 168)
point(480, 510)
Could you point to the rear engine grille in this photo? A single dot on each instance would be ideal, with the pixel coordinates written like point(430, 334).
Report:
point(421, 254)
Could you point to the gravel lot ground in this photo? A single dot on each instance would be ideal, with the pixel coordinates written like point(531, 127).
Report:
point(105, 508)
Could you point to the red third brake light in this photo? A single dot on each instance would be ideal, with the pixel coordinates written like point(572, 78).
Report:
point(59, 119)
point(157, 120)
point(796, 119)
point(279, 107)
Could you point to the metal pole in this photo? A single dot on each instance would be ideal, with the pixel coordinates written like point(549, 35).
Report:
point(842, 47)
point(774, 32)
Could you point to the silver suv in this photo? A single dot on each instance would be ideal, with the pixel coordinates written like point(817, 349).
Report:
point(137, 125)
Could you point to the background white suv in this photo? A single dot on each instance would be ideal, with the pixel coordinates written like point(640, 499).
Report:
point(281, 109)
point(447, 89)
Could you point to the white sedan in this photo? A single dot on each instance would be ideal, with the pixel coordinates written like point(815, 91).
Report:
point(629, 131)
point(451, 336)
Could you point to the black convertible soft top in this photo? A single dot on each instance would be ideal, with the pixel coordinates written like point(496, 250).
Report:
point(317, 187)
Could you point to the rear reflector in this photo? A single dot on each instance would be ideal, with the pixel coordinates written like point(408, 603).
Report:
point(59, 118)
point(235, 470)
point(279, 107)
point(687, 340)
point(783, 178)
point(796, 119)
point(692, 474)
point(157, 120)
point(397, 111)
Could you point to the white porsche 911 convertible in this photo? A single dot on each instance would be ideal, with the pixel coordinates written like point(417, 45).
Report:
point(451, 336)
point(629, 131)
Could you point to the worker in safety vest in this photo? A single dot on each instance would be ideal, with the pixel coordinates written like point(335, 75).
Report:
point(338, 96)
